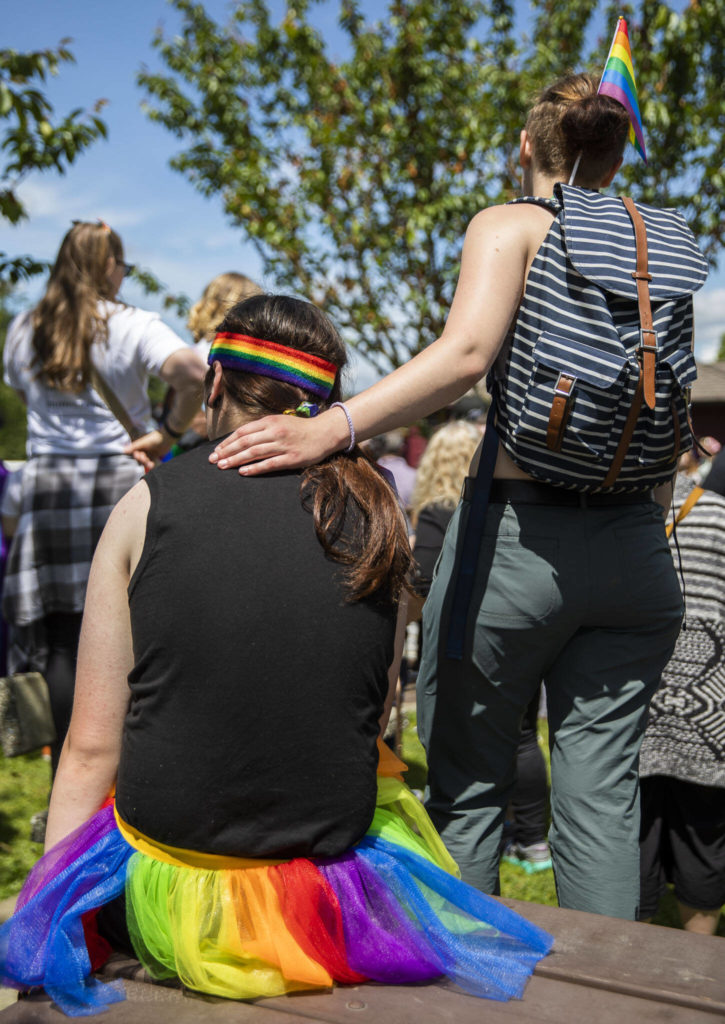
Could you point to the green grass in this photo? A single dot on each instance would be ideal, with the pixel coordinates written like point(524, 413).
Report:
point(24, 784)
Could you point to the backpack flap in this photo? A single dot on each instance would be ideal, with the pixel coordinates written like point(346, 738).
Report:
point(600, 244)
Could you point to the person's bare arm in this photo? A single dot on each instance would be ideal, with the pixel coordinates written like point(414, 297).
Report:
point(663, 495)
point(184, 372)
point(394, 670)
point(91, 751)
point(497, 250)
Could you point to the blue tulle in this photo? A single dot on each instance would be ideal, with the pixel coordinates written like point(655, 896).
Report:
point(43, 943)
point(493, 960)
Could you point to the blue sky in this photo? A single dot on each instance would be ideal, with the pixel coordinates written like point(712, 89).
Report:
point(165, 224)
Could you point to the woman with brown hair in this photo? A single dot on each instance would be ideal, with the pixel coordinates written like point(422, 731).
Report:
point(78, 339)
point(257, 851)
point(568, 576)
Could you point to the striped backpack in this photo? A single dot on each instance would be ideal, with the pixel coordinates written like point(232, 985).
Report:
point(592, 388)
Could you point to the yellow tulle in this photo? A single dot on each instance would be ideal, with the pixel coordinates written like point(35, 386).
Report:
point(229, 936)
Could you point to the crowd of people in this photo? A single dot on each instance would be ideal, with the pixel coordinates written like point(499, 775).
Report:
point(221, 633)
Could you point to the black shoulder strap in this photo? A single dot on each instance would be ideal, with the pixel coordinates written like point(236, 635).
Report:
point(465, 573)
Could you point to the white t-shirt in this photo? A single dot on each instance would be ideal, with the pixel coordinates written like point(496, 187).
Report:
point(65, 423)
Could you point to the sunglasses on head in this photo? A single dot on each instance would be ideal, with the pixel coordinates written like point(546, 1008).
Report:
point(128, 268)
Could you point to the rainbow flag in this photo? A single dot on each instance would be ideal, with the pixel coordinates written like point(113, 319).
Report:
point(618, 82)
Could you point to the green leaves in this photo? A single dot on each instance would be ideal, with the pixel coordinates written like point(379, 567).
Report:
point(33, 140)
point(355, 179)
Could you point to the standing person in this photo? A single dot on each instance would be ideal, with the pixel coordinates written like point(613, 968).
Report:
point(222, 292)
point(239, 727)
point(441, 475)
point(682, 762)
point(574, 582)
point(393, 460)
point(77, 468)
point(436, 493)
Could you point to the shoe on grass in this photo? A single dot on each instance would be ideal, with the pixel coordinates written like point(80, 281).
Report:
point(38, 823)
point(536, 857)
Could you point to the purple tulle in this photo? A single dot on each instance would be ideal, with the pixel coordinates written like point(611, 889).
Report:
point(66, 852)
point(382, 942)
point(405, 919)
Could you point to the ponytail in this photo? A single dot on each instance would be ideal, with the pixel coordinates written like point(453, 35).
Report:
point(378, 558)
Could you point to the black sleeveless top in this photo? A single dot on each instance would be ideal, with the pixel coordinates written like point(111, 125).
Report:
point(256, 688)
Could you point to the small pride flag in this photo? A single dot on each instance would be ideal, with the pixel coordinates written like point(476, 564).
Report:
point(618, 82)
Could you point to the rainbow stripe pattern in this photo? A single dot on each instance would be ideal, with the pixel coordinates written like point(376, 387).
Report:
point(618, 82)
point(390, 909)
point(268, 358)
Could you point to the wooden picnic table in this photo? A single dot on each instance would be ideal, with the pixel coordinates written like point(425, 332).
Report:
point(601, 971)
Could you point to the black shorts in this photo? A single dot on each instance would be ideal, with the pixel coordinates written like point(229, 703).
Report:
point(682, 841)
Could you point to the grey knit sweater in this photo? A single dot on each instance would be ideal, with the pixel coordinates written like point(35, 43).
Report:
point(685, 735)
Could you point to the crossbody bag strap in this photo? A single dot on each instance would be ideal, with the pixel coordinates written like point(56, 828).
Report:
point(114, 404)
point(685, 508)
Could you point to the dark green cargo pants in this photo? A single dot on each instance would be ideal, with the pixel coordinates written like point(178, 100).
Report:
point(587, 600)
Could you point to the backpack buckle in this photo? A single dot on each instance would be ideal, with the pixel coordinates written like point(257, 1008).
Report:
point(564, 386)
point(649, 343)
point(559, 414)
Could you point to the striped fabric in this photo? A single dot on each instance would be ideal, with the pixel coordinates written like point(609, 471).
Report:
point(579, 316)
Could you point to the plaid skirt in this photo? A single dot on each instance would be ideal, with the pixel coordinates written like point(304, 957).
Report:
point(65, 504)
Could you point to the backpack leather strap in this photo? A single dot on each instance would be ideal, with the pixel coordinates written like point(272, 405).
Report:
point(648, 336)
point(626, 433)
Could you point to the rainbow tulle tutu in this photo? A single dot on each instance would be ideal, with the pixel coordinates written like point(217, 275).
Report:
point(391, 909)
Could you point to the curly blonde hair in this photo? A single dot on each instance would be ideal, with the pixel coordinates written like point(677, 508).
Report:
point(444, 466)
point(225, 291)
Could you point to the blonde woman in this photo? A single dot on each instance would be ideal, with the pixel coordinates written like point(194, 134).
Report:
point(222, 292)
point(78, 466)
point(441, 473)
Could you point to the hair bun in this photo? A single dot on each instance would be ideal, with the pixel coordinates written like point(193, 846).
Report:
point(592, 123)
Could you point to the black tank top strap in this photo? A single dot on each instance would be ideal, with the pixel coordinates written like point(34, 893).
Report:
point(551, 203)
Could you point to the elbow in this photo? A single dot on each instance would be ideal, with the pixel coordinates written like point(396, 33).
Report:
point(184, 370)
point(90, 753)
point(467, 356)
point(473, 365)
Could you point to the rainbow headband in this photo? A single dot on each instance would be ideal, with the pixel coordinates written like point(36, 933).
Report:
point(240, 352)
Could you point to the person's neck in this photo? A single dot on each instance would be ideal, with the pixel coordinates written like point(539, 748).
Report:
point(542, 184)
point(537, 184)
point(225, 420)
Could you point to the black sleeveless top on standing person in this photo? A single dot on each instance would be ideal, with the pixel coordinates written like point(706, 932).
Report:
point(257, 687)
